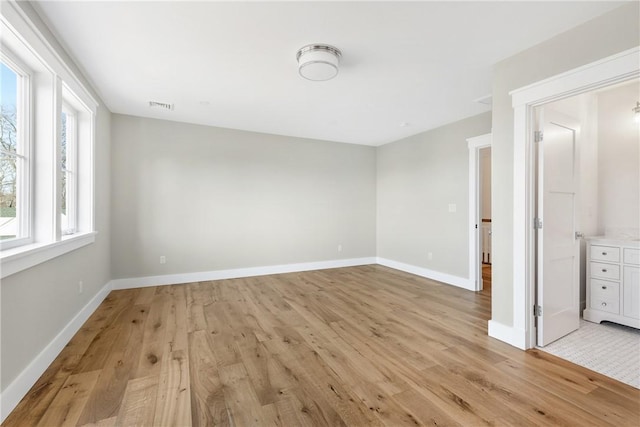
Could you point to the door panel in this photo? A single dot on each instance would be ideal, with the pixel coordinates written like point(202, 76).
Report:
point(558, 248)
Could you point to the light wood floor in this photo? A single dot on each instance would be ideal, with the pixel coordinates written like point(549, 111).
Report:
point(361, 346)
point(486, 277)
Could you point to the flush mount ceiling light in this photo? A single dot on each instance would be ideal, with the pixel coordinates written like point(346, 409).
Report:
point(318, 62)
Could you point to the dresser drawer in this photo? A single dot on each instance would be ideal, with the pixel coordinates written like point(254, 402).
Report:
point(631, 256)
point(605, 304)
point(604, 289)
point(605, 271)
point(605, 253)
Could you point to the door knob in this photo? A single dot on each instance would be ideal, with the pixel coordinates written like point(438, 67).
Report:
point(579, 235)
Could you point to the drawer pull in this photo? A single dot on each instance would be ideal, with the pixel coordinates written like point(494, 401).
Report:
point(604, 287)
point(604, 253)
point(604, 270)
point(604, 304)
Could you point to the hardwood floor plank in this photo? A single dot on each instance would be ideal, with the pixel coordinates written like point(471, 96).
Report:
point(70, 360)
point(177, 319)
point(208, 405)
point(240, 396)
point(153, 341)
point(353, 346)
point(384, 407)
point(96, 355)
point(139, 402)
point(418, 411)
point(174, 391)
point(68, 404)
point(145, 296)
point(104, 400)
point(109, 422)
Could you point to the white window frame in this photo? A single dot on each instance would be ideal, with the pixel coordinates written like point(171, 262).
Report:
point(23, 149)
point(52, 82)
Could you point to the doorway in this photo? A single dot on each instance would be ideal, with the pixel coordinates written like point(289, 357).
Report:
point(593, 138)
point(480, 259)
point(484, 200)
point(615, 69)
point(587, 160)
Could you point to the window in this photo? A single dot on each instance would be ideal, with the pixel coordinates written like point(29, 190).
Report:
point(46, 152)
point(14, 155)
point(68, 171)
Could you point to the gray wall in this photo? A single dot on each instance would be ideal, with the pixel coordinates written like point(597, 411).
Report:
point(36, 304)
point(606, 35)
point(485, 183)
point(418, 177)
point(213, 199)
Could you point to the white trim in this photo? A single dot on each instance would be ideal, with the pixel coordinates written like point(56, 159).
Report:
point(172, 279)
point(449, 279)
point(11, 396)
point(605, 72)
point(507, 334)
point(614, 69)
point(475, 144)
point(13, 14)
point(15, 260)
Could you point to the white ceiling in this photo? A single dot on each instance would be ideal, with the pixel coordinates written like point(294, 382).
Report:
point(232, 64)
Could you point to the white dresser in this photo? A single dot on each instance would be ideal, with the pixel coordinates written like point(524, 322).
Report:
point(613, 281)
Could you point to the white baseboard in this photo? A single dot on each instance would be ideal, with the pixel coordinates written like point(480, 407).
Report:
point(449, 279)
point(173, 279)
point(11, 396)
point(508, 334)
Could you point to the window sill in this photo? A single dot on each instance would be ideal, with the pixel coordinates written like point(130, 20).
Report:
point(21, 258)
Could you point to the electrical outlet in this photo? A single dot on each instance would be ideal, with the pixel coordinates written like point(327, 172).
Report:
point(429, 256)
point(163, 259)
point(452, 207)
point(339, 248)
point(80, 287)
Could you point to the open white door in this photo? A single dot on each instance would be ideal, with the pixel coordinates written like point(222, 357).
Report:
point(558, 244)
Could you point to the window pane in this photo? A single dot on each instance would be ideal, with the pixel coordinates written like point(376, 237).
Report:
point(9, 221)
point(64, 170)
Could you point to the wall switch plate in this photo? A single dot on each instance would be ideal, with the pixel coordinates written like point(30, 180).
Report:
point(80, 287)
point(163, 259)
point(452, 207)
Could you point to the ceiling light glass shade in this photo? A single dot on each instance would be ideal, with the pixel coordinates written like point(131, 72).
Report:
point(318, 62)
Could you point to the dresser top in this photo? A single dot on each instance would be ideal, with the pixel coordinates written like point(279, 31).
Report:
point(615, 241)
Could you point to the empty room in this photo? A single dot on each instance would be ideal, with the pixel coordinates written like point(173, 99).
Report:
point(254, 213)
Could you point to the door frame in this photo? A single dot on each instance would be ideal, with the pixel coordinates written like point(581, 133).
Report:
point(608, 71)
point(475, 144)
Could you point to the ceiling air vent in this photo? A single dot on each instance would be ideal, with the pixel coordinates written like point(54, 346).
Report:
point(161, 105)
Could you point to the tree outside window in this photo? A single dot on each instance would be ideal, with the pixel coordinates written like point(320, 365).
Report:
point(8, 153)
